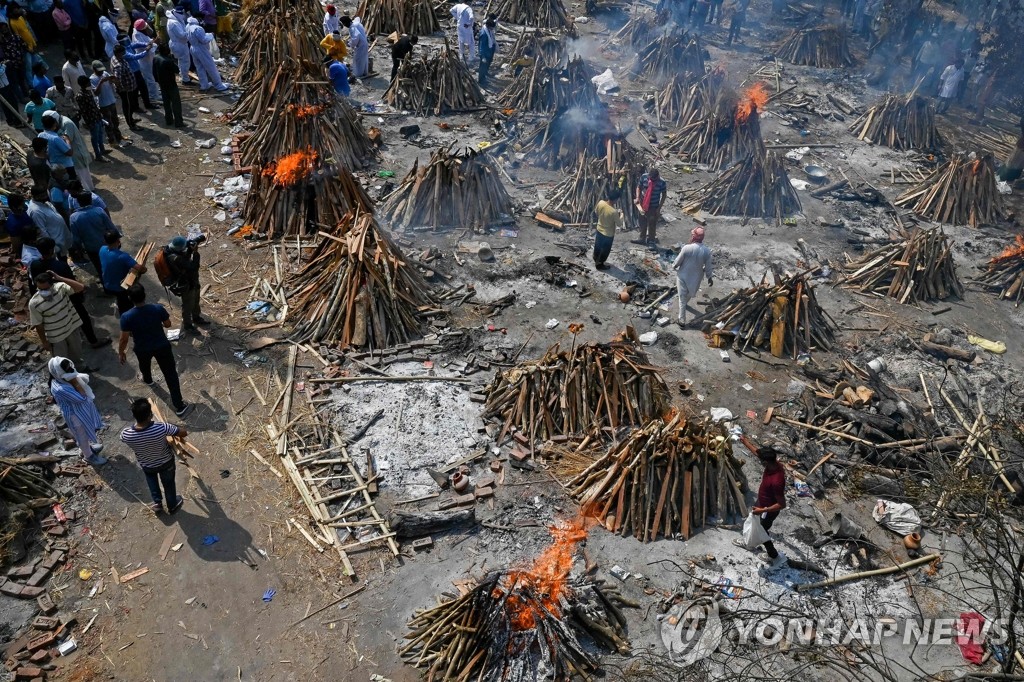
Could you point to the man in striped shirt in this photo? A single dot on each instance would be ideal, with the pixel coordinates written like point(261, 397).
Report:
point(52, 313)
point(148, 440)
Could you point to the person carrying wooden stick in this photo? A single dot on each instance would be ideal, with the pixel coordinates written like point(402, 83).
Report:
point(148, 439)
point(692, 263)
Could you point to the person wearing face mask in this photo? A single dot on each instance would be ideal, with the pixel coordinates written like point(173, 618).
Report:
point(52, 314)
point(75, 398)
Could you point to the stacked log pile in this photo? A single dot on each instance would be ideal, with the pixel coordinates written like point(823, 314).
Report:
point(548, 14)
point(521, 624)
point(412, 17)
point(757, 187)
point(960, 192)
point(296, 111)
point(826, 47)
point(436, 84)
point(23, 482)
point(540, 44)
point(573, 200)
point(358, 290)
point(547, 88)
point(726, 128)
point(782, 316)
point(12, 165)
point(683, 101)
point(917, 269)
point(640, 30)
point(275, 31)
point(568, 136)
point(899, 122)
point(582, 390)
point(669, 55)
point(666, 479)
point(460, 189)
point(1004, 274)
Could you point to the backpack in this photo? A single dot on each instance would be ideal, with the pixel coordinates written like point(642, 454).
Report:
point(162, 267)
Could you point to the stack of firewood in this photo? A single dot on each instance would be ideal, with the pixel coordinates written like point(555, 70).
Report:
point(683, 101)
point(573, 200)
point(725, 128)
point(24, 480)
point(438, 84)
point(756, 187)
point(297, 111)
point(640, 30)
point(961, 192)
point(899, 122)
point(12, 164)
point(570, 135)
point(540, 44)
point(549, 14)
point(920, 268)
point(412, 17)
point(1004, 274)
point(826, 47)
point(666, 479)
point(274, 31)
point(581, 390)
point(781, 316)
point(460, 189)
point(547, 88)
point(669, 55)
point(358, 289)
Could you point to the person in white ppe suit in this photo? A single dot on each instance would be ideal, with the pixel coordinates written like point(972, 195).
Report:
point(108, 30)
point(140, 41)
point(463, 15)
point(358, 45)
point(199, 44)
point(178, 42)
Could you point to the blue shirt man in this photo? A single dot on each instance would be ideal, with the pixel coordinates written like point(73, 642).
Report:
point(338, 75)
point(58, 151)
point(116, 265)
point(89, 224)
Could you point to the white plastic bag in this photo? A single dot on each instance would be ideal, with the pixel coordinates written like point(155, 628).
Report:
point(898, 517)
point(754, 533)
point(214, 49)
point(605, 82)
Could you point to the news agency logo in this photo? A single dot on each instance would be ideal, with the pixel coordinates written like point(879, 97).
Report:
point(692, 631)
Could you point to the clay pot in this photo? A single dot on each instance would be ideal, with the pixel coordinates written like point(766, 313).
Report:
point(624, 296)
point(912, 541)
point(459, 481)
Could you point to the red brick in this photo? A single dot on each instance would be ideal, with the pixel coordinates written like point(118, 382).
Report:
point(484, 481)
point(484, 492)
point(519, 455)
point(468, 498)
point(27, 672)
point(11, 588)
point(40, 656)
point(46, 604)
point(29, 592)
point(42, 641)
point(10, 664)
point(56, 557)
point(57, 530)
point(21, 571)
point(521, 437)
point(38, 578)
point(495, 465)
point(45, 623)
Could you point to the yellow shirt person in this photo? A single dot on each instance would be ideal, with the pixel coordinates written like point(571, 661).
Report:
point(608, 218)
point(334, 46)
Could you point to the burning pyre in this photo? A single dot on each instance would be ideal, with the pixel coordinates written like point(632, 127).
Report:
point(1004, 274)
point(727, 130)
point(570, 135)
point(522, 625)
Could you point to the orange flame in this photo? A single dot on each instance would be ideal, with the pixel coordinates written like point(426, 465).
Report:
point(753, 101)
point(1015, 250)
point(306, 110)
point(546, 578)
point(293, 168)
point(976, 166)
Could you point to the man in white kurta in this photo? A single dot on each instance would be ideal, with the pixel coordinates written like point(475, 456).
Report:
point(950, 85)
point(463, 15)
point(692, 263)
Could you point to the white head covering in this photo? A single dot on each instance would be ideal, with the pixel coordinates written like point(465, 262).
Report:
point(57, 372)
point(193, 20)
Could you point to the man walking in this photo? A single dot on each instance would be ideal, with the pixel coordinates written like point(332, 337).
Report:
point(183, 259)
point(650, 194)
point(115, 264)
point(52, 314)
point(145, 324)
point(399, 51)
point(165, 69)
point(488, 46)
point(739, 17)
point(608, 218)
point(771, 495)
point(148, 440)
point(692, 263)
point(48, 262)
point(463, 15)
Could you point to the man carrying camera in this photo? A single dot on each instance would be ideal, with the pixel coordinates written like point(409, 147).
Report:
point(183, 260)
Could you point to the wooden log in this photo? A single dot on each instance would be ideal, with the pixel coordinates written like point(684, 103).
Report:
point(406, 524)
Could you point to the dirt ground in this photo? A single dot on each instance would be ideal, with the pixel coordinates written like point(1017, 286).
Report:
point(199, 613)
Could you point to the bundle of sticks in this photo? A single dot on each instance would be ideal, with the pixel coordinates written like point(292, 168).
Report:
point(358, 289)
point(1004, 274)
point(667, 478)
point(296, 111)
point(641, 29)
point(573, 200)
point(12, 163)
point(899, 122)
point(549, 14)
point(412, 17)
point(588, 387)
point(568, 136)
point(960, 192)
point(22, 482)
point(920, 268)
point(439, 84)
point(547, 88)
point(460, 189)
point(274, 31)
point(723, 127)
point(781, 316)
point(538, 44)
point(756, 187)
point(826, 47)
point(522, 624)
point(684, 101)
point(283, 210)
point(671, 54)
